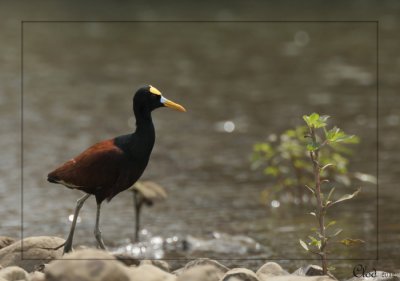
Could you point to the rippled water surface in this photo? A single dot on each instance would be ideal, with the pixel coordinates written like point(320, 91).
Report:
point(240, 82)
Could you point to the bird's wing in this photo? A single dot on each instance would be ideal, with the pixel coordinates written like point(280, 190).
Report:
point(96, 167)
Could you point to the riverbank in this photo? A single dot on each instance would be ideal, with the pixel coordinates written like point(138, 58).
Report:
point(37, 259)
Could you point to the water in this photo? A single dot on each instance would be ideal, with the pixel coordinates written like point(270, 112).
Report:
point(239, 83)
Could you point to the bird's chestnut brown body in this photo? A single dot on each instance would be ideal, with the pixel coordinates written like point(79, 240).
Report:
point(108, 167)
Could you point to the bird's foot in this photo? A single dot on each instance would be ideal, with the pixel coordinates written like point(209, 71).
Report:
point(99, 239)
point(67, 247)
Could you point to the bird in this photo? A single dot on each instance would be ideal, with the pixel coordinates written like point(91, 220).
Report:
point(111, 166)
point(145, 192)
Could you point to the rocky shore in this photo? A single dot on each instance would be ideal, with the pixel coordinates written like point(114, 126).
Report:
point(34, 259)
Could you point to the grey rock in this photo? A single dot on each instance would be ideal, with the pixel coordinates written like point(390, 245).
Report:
point(31, 252)
point(148, 272)
point(204, 261)
point(36, 276)
point(201, 273)
point(127, 259)
point(270, 269)
point(179, 271)
point(13, 273)
point(163, 265)
point(86, 265)
point(40, 267)
point(5, 241)
point(311, 270)
point(240, 274)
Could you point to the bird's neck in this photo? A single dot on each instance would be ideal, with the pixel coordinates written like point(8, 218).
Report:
point(145, 127)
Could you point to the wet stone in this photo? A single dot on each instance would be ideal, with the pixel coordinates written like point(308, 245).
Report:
point(37, 276)
point(12, 273)
point(311, 270)
point(35, 250)
point(201, 273)
point(163, 265)
point(5, 241)
point(205, 261)
point(127, 259)
point(270, 269)
point(86, 265)
point(148, 272)
point(240, 274)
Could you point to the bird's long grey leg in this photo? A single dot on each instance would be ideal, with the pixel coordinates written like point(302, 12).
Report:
point(79, 204)
point(97, 232)
point(137, 215)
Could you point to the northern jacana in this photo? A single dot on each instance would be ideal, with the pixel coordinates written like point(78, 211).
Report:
point(111, 166)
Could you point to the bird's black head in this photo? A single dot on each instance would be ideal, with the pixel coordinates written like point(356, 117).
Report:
point(148, 98)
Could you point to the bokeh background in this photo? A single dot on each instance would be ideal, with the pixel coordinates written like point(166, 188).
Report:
point(239, 81)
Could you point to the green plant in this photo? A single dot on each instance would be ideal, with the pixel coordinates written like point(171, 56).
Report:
point(286, 164)
point(318, 243)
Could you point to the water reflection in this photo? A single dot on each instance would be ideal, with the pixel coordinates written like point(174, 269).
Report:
point(71, 218)
point(157, 247)
point(225, 126)
point(301, 38)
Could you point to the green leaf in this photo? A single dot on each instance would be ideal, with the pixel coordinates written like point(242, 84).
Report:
point(315, 242)
point(290, 133)
point(335, 135)
point(331, 134)
point(346, 139)
point(310, 189)
point(351, 242)
point(304, 245)
point(338, 231)
point(329, 196)
point(330, 224)
point(324, 118)
point(320, 122)
point(312, 146)
point(309, 119)
point(345, 197)
point(262, 147)
point(264, 150)
point(326, 166)
point(272, 171)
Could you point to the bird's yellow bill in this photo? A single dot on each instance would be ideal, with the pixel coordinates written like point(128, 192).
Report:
point(172, 105)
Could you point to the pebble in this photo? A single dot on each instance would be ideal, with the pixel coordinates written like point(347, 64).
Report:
point(35, 251)
point(240, 274)
point(201, 273)
point(148, 272)
point(13, 273)
point(87, 265)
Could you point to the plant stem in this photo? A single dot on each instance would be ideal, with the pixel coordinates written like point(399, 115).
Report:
point(320, 207)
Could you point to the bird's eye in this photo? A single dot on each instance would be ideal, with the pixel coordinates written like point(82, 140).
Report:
point(155, 97)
